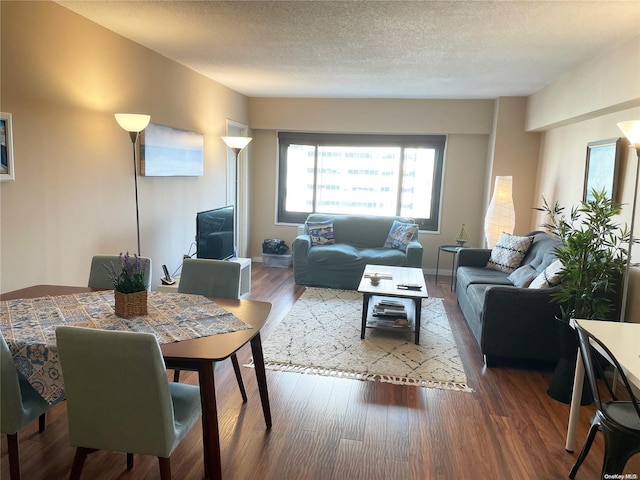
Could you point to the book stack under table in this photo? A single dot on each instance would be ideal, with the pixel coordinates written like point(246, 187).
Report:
point(389, 313)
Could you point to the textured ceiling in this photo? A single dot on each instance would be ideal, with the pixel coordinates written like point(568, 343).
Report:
point(374, 49)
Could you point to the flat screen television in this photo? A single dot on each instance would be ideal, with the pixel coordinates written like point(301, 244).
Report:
point(215, 233)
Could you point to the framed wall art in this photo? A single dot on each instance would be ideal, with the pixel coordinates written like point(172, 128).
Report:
point(603, 163)
point(7, 172)
point(171, 152)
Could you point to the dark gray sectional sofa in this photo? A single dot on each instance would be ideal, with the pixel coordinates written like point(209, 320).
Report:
point(507, 321)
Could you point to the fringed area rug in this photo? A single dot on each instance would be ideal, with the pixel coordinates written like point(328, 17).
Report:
point(321, 336)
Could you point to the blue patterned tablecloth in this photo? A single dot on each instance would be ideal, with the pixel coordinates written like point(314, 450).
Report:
point(29, 327)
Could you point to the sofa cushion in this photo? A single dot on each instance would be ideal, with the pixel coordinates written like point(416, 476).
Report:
point(475, 297)
point(333, 253)
point(548, 277)
point(321, 233)
point(542, 251)
point(466, 276)
point(384, 256)
point(509, 252)
point(400, 235)
point(522, 276)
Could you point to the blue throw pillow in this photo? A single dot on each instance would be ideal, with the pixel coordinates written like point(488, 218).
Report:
point(400, 235)
point(321, 232)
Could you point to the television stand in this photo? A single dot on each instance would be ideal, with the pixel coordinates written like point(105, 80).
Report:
point(245, 278)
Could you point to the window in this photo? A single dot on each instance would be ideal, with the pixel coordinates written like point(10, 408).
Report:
point(360, 174)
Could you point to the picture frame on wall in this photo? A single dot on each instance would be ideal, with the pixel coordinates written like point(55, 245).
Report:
point(171, 152)
point(7, 172)
point(603, 164)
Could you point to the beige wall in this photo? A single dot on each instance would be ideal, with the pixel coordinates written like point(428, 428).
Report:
point(606, 84)
point(467, 123)
point(568, 126)
point(372, 115)
point(472, 127)
point(63, 78)
point(514, 152)
point(561, 177)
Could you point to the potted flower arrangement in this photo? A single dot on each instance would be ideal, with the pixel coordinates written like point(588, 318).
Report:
point(130, 291)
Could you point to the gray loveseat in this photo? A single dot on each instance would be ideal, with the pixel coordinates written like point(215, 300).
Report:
point(508, 321)
point(359, 241)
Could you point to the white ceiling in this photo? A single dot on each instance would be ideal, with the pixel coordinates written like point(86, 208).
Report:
point(371, 48)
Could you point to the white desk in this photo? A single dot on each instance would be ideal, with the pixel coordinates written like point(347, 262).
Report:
point(245, 279)
point(623, 339)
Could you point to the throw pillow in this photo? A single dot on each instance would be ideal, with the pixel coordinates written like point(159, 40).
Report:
point(548, 277)
point(509, 252)
point(522, 276)
point(400, 235)
point(321, 232)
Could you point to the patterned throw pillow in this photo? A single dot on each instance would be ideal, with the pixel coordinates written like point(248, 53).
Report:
point(548, 277)
point(509, 252)
point(400, 235)
point(321, 232)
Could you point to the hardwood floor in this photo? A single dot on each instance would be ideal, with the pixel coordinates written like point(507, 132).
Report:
point(326, 428)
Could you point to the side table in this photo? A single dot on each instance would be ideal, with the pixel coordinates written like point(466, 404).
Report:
point(453, 249)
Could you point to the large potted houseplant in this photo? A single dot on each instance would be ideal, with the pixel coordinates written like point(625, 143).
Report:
point(593, 254)
point(130, 291)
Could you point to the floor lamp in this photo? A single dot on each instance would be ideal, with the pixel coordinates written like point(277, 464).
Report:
point(236, 144)
point(631, 130)
point(134, 124)
point(501, 215)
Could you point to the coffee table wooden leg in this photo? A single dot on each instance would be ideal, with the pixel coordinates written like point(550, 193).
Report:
point(418, 312)
point(365, 310)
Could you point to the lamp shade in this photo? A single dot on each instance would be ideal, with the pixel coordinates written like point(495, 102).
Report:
point(236, 143)
point(631, 130)
point(132, 122)
point(501, 215)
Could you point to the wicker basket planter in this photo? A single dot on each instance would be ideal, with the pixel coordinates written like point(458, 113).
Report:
point(130, 304)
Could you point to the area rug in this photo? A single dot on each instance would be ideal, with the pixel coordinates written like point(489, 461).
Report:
point(321, 335)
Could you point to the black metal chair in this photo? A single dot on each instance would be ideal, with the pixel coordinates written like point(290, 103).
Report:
point(619, 421)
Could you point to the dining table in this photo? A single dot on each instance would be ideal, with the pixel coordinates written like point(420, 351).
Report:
point(623, 340)
point(195, 354)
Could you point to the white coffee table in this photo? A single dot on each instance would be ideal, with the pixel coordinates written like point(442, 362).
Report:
point(391, 281)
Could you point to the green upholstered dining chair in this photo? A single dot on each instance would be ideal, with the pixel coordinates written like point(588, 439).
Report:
point(20, 405)
point(119, 398)
point(212, 278)
point(99, 277)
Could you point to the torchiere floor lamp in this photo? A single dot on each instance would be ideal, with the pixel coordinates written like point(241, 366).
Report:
point(631, 130)
point(134, 123)
point(236, 144)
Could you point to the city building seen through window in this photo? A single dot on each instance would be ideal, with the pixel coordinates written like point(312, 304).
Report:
point(360, 174)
